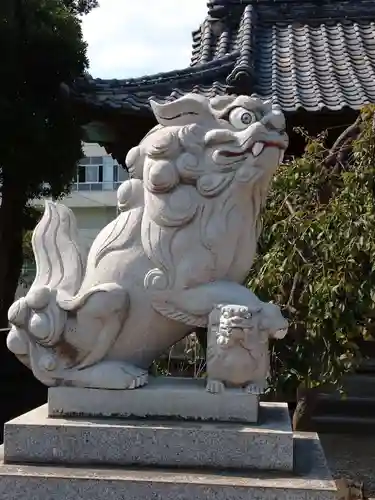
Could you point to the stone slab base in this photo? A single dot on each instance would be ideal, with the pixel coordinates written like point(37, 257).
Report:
point(34, 437)
point(312, 480)
point(163, 397)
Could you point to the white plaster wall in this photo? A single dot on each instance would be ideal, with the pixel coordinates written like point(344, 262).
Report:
point(90, 221)
point(92, 149)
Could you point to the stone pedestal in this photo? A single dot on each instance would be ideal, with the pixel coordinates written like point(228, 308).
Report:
point(60, 451)
point(163, 397)
point(36, 438)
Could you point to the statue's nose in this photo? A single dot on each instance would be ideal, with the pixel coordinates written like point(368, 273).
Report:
point(274, 120)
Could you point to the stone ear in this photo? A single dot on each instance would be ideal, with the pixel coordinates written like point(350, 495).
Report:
point(191, 108)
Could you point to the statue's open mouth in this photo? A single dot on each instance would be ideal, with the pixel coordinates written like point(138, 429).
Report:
point(256, 149)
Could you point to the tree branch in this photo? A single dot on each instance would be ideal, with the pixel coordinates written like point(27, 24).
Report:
point(342, 145)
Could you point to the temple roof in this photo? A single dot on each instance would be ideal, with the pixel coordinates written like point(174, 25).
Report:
point(306, 54)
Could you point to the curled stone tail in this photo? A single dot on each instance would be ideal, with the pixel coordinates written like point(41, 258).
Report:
point(60, 261)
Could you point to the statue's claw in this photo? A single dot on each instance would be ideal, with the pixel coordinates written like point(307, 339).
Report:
point(139, 376)
point(215, 386)
point(139, 381)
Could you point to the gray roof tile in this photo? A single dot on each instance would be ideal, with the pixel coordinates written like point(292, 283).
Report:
point(308, 54)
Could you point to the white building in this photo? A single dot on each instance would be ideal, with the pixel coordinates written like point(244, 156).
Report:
point(93, 198)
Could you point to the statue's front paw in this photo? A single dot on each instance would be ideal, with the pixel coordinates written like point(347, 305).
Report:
point(215, 386)
point(255, 389)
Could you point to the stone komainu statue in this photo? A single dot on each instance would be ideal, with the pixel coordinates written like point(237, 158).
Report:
point(237, 347)
point(184, 242)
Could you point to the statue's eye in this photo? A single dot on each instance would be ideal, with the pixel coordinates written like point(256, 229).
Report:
point(241, 118)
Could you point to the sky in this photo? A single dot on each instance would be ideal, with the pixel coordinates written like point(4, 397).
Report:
point(130, 38)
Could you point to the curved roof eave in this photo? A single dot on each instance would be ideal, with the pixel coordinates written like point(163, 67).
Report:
point(136, 92)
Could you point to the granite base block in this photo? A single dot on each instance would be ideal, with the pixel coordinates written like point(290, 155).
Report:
point(34, 437)
point(311, 480)
point(163, 397)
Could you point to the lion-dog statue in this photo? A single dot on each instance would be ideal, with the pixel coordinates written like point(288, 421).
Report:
point(183, 242)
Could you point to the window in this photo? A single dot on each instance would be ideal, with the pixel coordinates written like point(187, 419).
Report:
point(119, 174)
point(90, 174)
point(91, 160)
point(97, 173)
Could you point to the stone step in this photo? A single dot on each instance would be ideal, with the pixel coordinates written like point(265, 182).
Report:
point(36, 438)
point(344, 424)
point(360, 385)
point(354, 413)
point(312, 480)
point(162, 397)
point(351, 406)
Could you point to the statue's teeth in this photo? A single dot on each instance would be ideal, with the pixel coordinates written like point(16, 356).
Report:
point(257, 148)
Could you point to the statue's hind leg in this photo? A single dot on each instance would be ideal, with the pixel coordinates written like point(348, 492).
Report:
point(68, 347)
point(103, 315)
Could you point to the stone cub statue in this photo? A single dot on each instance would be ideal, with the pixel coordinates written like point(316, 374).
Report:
point(237, 346)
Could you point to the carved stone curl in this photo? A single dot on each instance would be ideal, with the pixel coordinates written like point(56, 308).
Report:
point(184, 240)
point(237, 348)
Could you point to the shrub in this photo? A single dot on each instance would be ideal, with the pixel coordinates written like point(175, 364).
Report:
point(317, 260)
